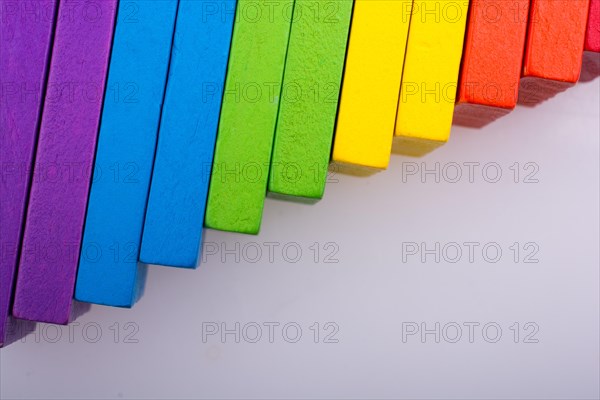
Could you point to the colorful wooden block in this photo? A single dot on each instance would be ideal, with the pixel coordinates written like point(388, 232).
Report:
point(173, 228)
point(309, 99)
point(492, 61)
point(592, 34)
point(109, 272)
point(554, 48)
point(243, 151)
point(591, 57)
point(27, 28)
point(431, 70)
point(63, 165)
point(372, 75)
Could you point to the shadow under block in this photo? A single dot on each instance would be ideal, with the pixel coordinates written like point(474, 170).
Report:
point(309, 98)
point(173, 227)
point(591, 57)
point(240, 171)
point(62, 171)
point(492, 61)
point(372, 76)
point(25, 48)
point(109, 272)
point(431, 70)
point(554, 48)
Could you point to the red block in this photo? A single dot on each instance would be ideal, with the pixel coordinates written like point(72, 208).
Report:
point(492, 61)
point(554, 48)
point(591, 56)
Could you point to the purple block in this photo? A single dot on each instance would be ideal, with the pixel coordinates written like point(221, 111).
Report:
point(25, 40)
point(64, 159)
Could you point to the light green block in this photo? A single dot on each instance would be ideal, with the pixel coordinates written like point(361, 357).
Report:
point(309, 99)
point(248, 115)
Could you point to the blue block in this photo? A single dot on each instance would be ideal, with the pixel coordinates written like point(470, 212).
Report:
point(109, 272)
point(173, 228)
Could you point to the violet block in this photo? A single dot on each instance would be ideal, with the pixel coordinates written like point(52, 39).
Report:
point(25, 40)
point(64, 159)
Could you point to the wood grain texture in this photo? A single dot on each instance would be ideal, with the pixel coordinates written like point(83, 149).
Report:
point(25, 41)
point(492, 61)
point(108, 271)
point(372, 75)
point(243, 151)
point(431, 70)
point(309, 99)
point(554, 48)
point(173, 226)
point(63, 165)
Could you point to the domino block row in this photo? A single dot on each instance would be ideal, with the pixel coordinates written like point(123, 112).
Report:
point(127, 127)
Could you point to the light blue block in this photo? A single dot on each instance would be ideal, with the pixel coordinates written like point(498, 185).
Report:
point(109, 272)
point(173, 227)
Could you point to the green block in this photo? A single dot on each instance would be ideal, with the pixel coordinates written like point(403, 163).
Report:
point(248, 115)
point(309, 99)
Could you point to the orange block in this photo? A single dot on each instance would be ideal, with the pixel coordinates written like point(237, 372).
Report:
point(492, 61)
point(591, 57)
point(554, 48)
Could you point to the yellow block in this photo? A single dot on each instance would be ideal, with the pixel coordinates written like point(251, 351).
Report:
point(429, 81)
point(367, 111)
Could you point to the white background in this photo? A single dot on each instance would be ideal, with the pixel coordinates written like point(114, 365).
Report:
point(370, 294)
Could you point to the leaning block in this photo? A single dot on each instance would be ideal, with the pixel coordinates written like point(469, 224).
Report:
point(369, 98)
point(243, 151)
point(173, 228)
point(592, 34)
point(25, 41)
point(108, 272)
point(429, 81)
point(309, 99)
point(591, 57)
point(65, 152)
point(554, 48)
point(492, 61)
